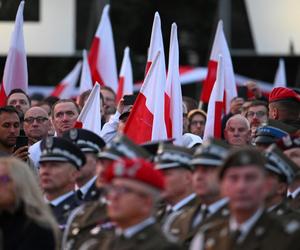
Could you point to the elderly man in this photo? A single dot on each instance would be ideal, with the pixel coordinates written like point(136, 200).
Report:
point(243, 181)
point(59, 164)
point(36, 124)
point(132, 183)
point(237, 131)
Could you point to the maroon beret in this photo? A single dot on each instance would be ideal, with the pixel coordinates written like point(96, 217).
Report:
point(282, 93)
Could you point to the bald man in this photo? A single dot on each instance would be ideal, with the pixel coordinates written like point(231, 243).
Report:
point(36, 124)
point(237, 131)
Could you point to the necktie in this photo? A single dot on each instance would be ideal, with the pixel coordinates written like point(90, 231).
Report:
point(202, 215)
point(79, 194)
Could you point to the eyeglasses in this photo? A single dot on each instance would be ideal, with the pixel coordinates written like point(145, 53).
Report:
point(121, 190)
point(194, 123)
point(258, 114)
point(4, 179)
point(39, 119)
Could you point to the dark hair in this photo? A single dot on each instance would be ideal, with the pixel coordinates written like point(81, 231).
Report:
point(289, 107)
point(256, 103)
point(109, 89)
point(9, 109)
point(64, 101)
point(51, 100)
point(85, 95)
point(14, 91)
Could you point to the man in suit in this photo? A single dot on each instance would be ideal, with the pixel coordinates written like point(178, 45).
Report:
point(60, 162)
point(243, 181)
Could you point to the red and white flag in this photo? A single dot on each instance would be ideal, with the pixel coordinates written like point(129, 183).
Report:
point(146, 120)
point(125, 86)
point(15, 74)
point(156, 42)
point(213, 126)
point(280, 77)
point(90, 116)
point(66, 88)
point(86, 82)
point(102, 56)
point(173, 97)
point(220, 47)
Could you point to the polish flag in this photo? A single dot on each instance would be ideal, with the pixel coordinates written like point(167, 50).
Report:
point(146, 120)
point(213, 126)
point(156, 42)
point(173, 96)
point(15, 74)
point(280, 77)
point(102, 58)
point(125, 86)
point(90, 116)
point(86, 82)
point(220, 47)
point(65, 89)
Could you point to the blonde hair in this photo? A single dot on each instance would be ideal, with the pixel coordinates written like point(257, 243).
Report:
point(29, 194)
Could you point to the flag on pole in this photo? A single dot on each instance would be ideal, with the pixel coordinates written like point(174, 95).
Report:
point(125, 86)
point(15, 74)
point(213, 126)
point(156, 42)
point(102, 58)
point(86, 82)
point(66, 87)
point(280, 77)
point(219, 47)
point(146, 120)
point(90, 116)
point(173, 96)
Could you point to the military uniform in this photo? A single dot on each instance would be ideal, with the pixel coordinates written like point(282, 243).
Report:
point(295, 202)
point(149, 238)
point(85, 226)
point(267, 233)
point(285, 213)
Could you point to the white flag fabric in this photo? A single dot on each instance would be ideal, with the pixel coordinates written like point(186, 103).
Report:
point(102, 56)
point(86, 82)
point(125, 86)
point(90, 116)
point(213, 126)
point(15, 74)
point(67, 86)
point(173, 98)
point(146, 120)
point(220, 47)
point(280, 77)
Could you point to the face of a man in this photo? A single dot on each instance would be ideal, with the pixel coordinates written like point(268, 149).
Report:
point(237, 133)
point(197, 125)
point(64, 117)
point(9, 129)
point(245, 187)
point(257, 115)
point(102, 164)
point(36, 123)
point(176, 181)
point(88, 171)
point(55, 177)
point(19, 101)
point(128, 202)
point(206, 182)
point(7, 189)
point(109, 99)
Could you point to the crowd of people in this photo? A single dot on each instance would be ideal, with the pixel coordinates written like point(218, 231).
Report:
point(63, 187)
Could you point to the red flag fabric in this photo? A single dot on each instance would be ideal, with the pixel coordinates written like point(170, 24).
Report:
point(102, 58)
point(146, 120)
point(15, 74)
point(173, 97)
point(90, 116)
point(66, 87)
point(219, 47)
point(213, 126)
point(125, 86)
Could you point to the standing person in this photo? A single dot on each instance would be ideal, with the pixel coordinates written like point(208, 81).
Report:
point(59, 165)
point(25, 221)
point(132, 183)
point(20, 100)
point(197, 121)
point(90, 144)
point(243, 181)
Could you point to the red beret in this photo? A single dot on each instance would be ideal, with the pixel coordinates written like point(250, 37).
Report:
point(282, 93)
point(135, 169)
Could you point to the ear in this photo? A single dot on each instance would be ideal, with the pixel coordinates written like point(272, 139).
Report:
point(274, 113)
